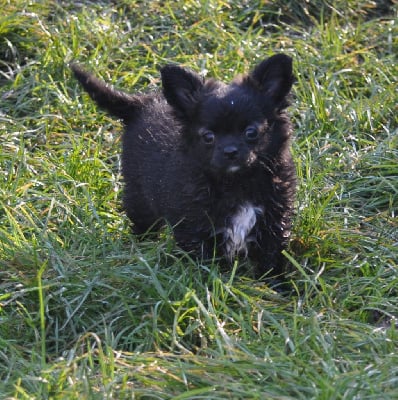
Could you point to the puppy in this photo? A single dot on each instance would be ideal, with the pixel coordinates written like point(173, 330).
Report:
point(210, 159)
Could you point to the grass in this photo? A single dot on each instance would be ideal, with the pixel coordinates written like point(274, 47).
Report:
point(89, 312)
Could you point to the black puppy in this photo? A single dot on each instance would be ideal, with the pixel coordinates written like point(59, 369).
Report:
point(211, 159)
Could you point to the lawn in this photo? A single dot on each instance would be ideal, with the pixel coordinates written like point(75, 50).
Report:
point(88, 311)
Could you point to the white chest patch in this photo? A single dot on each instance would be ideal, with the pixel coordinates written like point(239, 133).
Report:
point(237, 233)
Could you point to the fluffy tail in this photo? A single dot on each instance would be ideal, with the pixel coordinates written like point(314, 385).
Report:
point(119, 104)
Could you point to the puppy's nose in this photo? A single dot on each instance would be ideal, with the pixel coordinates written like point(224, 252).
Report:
point(231, 152)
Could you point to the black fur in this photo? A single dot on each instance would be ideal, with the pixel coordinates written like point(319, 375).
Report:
point(205, 155)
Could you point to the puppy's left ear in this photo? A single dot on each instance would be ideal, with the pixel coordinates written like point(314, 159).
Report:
point(274, 77)
point(181, 88)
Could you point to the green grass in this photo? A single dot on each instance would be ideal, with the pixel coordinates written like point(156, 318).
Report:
point(89, 312)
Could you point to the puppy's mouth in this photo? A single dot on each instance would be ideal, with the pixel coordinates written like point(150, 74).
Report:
point(240, 164)
point(237, 165)
point(226, 170)
point(233, 168)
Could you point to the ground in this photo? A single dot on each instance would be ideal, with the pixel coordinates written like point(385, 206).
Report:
point(89, 311)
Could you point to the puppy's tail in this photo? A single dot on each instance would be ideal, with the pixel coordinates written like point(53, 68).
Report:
point(119, 104)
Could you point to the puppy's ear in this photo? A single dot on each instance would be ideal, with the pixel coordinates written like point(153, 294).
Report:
point(181, 88)
point(274, 77)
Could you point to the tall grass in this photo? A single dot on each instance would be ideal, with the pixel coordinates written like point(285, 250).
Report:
point(89, 311)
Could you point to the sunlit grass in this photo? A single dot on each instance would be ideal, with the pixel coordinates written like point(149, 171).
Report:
point(89, 311)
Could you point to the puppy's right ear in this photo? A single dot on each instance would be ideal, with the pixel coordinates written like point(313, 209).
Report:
point(181, 88)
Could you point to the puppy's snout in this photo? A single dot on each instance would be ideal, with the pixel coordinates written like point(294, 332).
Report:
point(231, 152)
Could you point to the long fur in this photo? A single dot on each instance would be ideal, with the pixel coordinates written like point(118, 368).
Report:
point(210, 159)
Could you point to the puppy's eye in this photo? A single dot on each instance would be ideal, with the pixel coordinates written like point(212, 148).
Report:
point(251, 134)
point(208, 137)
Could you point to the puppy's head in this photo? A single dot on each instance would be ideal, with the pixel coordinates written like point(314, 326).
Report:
point(230, 128)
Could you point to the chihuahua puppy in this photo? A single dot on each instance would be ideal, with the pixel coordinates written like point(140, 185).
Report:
point(210, 159)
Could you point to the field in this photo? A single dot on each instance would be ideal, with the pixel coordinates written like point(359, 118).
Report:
point(88, 311)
